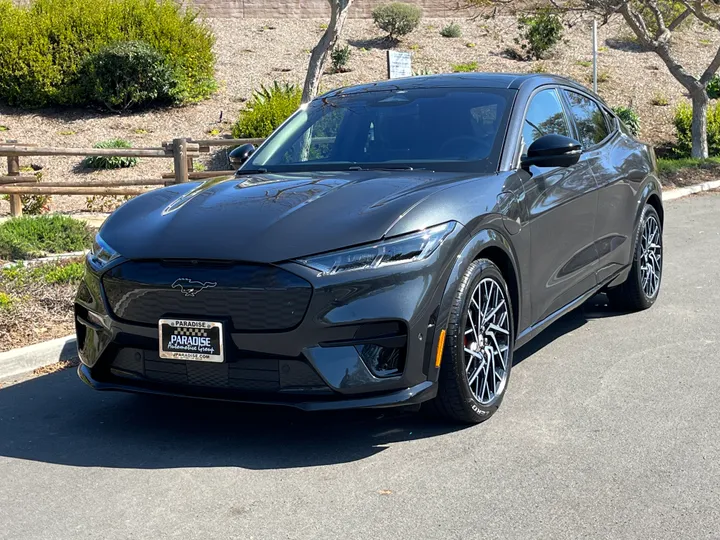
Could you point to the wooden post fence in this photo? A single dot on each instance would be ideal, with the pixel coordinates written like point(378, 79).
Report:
point(181, 150)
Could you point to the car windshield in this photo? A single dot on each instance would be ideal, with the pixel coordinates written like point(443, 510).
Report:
point(447, 129)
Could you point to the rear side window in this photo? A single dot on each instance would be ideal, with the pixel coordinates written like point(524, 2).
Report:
point(589, 119)
point(544, 116)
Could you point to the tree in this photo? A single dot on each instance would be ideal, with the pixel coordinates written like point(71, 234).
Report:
point(654, 22)
point(338, 15)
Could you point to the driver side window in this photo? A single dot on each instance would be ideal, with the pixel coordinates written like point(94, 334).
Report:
point(545, 115)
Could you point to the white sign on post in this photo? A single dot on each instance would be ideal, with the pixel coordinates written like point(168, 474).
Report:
point(399, 64)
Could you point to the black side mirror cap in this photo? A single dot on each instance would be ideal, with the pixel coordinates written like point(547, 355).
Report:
point(552, 151)
point(241, 154)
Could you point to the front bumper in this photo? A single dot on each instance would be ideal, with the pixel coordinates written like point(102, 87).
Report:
point(317, 365)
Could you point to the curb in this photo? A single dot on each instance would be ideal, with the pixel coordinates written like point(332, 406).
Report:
point(673, 194)
point(26, 359)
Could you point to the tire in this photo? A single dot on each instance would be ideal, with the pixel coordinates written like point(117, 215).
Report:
point(640, 290)
point(460, 397)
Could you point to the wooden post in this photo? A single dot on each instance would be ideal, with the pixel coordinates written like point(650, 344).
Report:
point(180, 158)
point(13, 164)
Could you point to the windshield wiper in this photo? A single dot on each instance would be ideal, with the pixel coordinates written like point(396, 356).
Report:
point(250, 171)
point(401, 168)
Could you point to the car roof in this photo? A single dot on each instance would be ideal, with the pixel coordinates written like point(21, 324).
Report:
point(511, 81)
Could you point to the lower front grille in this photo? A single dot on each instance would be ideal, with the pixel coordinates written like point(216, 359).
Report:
point(251, 375)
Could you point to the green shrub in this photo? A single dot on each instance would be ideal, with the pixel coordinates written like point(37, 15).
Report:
point(713, 87)
point(44, 45)
point(64, 273)
point(683, 130)
point(659, 100)
point(397, 19)
point(465, 68)
point(128, 74)
point(630, 118)
point(452, 30)
point(27, 237)
point(539, 33)
point(6, 301)
point(267, 109)
point(340, 57)
point(110, 162)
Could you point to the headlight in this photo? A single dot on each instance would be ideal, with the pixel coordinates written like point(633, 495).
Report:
point(101, 253)
point(404, 249)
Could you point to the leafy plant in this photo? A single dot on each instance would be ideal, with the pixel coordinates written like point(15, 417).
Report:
point(54, 273)
point(397, 19)
point(65, 273)
point(105, 203)
point(33, 205)
point(584, 63)
point(127, 75)
point(452, 30)
point(539, 33)
point(423, 72)
point(713, 87)
point(630, 118)
point(465, 68)
point(4, 128)
point(34, 236)
point(44, 45)
point(470, 45)
point(110, 162)
point(659, 100)
point(266, 110)
point(683, 129)
point(340, 56)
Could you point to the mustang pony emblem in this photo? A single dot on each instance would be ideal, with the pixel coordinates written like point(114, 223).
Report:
point(191, 287)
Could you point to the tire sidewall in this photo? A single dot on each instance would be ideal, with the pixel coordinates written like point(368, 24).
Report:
point(478, 271)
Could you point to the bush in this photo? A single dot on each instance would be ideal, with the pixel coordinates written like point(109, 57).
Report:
point(630, 118)
point(110, 162)
point(44, 45)
point(397, 19)
point(266, 110)
point(27, 237)
point(452, 30)
point(465, 68)
point(713, 87)
point(683, 130)
point(128, 74)
point(340, 57)
point(539, 33)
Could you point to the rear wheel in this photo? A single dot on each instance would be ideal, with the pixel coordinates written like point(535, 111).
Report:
point(479, 347)
point(642, 286)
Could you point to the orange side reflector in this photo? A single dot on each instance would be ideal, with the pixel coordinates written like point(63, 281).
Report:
point(441, 346)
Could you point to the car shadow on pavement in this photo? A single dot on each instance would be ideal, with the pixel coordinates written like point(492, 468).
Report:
point(596, 307)
point(57, 419)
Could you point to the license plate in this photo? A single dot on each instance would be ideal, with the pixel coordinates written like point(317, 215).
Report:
point(191, 340)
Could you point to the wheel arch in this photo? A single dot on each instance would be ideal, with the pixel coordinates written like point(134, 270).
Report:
point(504, 262)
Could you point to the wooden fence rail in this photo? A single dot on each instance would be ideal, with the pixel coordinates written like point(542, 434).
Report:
point(181, 150)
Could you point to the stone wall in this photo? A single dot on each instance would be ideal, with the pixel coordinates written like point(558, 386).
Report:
point(309, 9)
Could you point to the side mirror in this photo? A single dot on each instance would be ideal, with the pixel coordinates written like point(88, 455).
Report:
point(552, 151)
point(241, 154)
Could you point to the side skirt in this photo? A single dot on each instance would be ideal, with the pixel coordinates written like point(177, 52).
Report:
point(529, 333)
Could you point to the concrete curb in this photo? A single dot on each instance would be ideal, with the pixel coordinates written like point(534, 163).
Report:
point(26, 359)
point(673, 194)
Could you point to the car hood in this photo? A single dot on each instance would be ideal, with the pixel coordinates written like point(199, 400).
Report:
point(268, 217)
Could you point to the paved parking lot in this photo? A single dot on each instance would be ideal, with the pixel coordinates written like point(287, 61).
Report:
point(610, 429)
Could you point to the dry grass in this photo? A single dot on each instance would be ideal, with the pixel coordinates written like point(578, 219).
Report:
point(250, 54)
point(37, 310)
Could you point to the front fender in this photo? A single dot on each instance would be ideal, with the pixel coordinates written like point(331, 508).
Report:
point(492, 235)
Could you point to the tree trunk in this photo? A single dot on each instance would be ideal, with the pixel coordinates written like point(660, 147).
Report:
point(338, 15)
point(699, 123)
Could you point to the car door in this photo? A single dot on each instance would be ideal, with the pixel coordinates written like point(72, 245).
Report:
point(561, 204)
point(607, 151)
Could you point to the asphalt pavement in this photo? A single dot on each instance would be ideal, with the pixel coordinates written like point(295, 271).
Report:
point(610, 429)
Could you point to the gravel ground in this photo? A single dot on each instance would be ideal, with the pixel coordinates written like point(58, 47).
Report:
point(255, 52)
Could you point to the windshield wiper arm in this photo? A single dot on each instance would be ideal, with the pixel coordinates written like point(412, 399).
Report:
point(401, 168)
point(250, 171)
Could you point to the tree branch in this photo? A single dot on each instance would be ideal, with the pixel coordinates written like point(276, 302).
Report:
point(679, 20)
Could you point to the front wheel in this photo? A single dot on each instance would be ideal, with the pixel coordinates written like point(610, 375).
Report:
point(479, 347)
point(642, 286)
